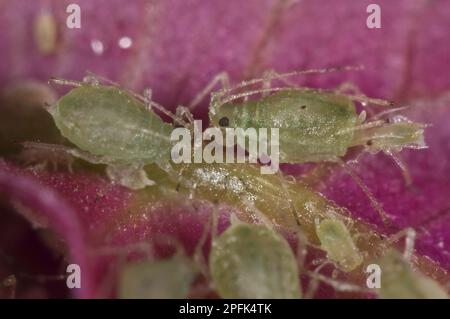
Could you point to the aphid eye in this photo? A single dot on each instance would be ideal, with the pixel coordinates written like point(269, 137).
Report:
point(224, 121)
point(303, 107)
point(369, 143)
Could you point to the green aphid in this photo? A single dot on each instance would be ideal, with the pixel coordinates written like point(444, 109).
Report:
point(337, 241)
point(400, 281)
point(317, 126)
point(161, 279)
point(252, 261)
point(112, 126)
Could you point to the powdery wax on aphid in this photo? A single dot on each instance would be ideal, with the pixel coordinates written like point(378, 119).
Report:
point(167, 279)
point(251, 261)
point(317, 126)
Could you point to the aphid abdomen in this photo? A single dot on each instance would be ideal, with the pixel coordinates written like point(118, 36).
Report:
point(313, 126)
point(336, 240)
point(110, 123)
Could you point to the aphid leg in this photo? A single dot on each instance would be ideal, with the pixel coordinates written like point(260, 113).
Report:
point(337, 284)
point(349, 89)
point(210, 227)
point(281, 76)
point(222, 78)
point(183, 112)
point(313, 284)
point(403, 166)
point(41, 154)
point(218, 98)
point(410, 238)
point(92, 78)
point(131, 176)
point(64, 82)
point(374, 202)
point(387, 112)
point(140, 247)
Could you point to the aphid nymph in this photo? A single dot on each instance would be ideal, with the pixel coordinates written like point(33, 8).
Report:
point(336, 240)
point(112, 126)
point(252, 261)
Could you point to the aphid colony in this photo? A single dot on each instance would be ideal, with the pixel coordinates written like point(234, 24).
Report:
point(119, 128)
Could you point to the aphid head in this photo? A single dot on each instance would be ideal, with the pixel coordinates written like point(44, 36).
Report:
point(397, 133)
point(224, 116)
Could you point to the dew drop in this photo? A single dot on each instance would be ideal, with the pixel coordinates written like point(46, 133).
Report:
point(97, 46)
point(125, 42)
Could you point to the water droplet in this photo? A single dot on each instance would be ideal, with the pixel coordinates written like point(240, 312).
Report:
point(97, 46)
point(125, 42)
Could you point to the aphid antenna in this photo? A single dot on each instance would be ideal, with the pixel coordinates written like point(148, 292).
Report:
point(222, 78)
point(250, 93)
point(273, 75)
point(59, 81)
point(43, 146)
point(374, 202)
point(359, 98)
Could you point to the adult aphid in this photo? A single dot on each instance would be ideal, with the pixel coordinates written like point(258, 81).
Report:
point(315, 125)
point(337, 241)
point(115, 127)
point(252, 261)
